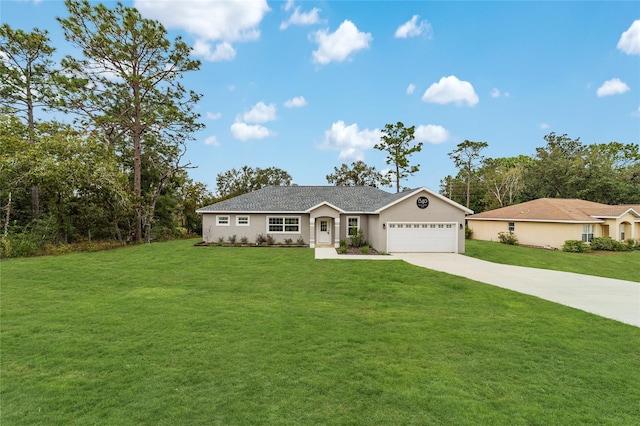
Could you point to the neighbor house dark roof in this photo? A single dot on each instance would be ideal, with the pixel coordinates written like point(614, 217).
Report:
point(556, 210)
point(302, 198)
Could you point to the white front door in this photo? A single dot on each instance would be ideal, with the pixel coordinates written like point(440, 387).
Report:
point(323, 231)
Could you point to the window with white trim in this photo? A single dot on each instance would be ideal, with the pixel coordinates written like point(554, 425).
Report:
point(283, 224)
point(353, 224)
point(512, 227)
point(222, 220)
point(622, 232)
point(242, 220)
point(587, 233)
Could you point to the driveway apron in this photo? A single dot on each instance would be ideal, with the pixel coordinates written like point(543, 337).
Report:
point(610, 298)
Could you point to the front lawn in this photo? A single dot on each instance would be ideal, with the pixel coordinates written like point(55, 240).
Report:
point(172, 334)
point(620, 265)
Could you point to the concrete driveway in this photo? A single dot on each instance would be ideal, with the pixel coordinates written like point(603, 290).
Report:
point(610, 298)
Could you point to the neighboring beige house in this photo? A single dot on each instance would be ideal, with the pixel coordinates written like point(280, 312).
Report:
point(418, 220)
point(549, 222)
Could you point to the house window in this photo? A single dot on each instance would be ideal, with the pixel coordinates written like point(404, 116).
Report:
point(512, 227)
point(353, 224)
point(622, 232)
point(222, 220)
point(242, 220)
point(283, 224)
point(587, 233)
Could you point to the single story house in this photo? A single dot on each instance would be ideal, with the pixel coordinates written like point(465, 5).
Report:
point(417, 220)
point(549, 222)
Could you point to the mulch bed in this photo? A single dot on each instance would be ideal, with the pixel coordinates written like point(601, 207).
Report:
point(358, 250)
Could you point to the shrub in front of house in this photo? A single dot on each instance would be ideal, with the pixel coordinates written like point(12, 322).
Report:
point(358, 240)
point(508, 238)
point(607, 244)
point(575, 246)
point(365, 249)
point(342, 248)
point(300, 241)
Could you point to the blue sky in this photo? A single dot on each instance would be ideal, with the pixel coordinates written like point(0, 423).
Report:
point(307, 85)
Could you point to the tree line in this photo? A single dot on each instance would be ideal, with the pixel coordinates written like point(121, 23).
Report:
point(113, 168)
point(607, 173)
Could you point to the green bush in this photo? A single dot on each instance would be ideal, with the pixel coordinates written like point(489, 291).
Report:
point(575, 246)
point(607, 244)
point(468, 232)
point(358, 239)
point(508, 238)
point(365, 249)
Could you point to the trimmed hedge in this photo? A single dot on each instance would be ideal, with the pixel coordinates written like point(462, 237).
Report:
point(576, 246)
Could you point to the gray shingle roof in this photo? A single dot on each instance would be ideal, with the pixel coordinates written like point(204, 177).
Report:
point(301, 198)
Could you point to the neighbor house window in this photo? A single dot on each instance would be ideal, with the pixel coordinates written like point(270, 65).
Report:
point(622, 232)
point(587, 233)
point(512, 227)
point(222, 220)
point(353, 224)
point(283, 224)
point(242, 220)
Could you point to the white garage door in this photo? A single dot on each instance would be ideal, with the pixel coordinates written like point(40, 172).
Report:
point(421, 237)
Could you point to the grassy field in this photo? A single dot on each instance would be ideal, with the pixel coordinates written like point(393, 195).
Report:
point(620, 265)
point(172, 334)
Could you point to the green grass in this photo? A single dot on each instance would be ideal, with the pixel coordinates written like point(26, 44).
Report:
point(620, 265)
point(172, 334)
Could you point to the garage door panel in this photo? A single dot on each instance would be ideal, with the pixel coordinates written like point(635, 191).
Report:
point(421, 237)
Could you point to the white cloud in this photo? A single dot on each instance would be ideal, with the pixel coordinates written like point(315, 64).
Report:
point(451, 90)
point(339, 45)
point(544, 126)
point(431, 133)
point(288, 5)
point(212, 140)
point(349, 140)
point(629, 41)
point(612, 87)
point(301, 18)
point(214, 116)
point(412, 28)
point(209, 20)
point(224, 51)
point(260, 113)
point(411, 88)
point(297, 102)
point(495, 93)
point(244, 131)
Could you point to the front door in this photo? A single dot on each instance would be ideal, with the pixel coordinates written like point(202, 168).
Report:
point(323, 231)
